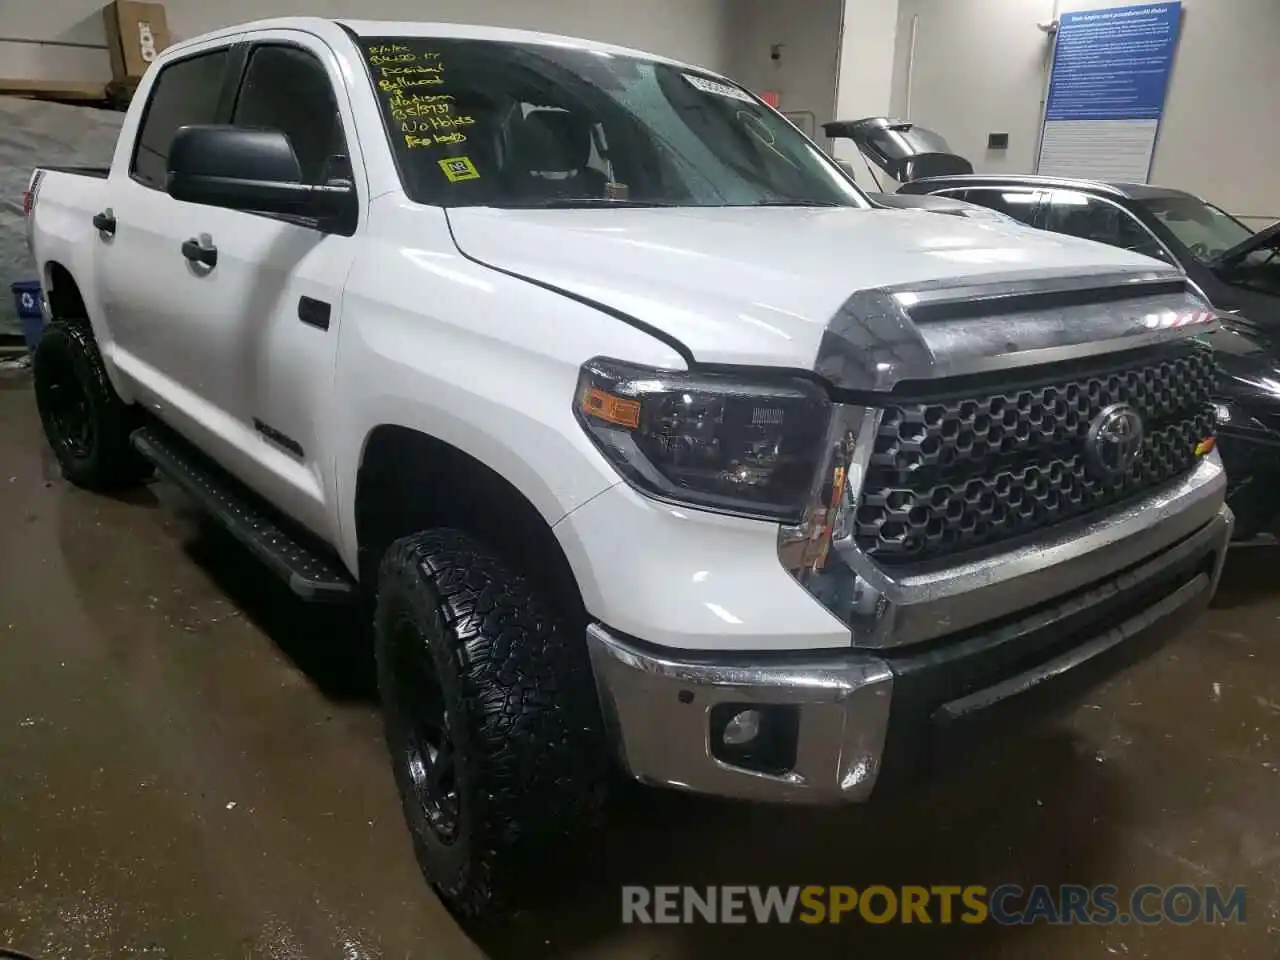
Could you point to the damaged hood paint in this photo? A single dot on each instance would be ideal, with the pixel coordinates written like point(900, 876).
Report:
point(752, 285)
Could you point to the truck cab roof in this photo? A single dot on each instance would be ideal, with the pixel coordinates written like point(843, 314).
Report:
point(467, 31)
point(421, 28)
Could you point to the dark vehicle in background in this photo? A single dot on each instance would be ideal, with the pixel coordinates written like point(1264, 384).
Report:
point(1236, 269)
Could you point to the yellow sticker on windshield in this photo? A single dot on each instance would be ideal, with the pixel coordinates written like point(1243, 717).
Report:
point(458, 169)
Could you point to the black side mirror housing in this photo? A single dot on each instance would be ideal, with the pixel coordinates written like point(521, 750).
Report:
point(252, 169)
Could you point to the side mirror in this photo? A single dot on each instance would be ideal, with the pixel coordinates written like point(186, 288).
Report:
point(253, 169)
point(847, 167)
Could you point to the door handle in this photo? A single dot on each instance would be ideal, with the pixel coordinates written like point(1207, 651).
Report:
point(105, 222)
point(201, 250)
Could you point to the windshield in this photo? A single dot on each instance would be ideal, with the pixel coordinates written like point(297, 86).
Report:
point(480, 122)
point(1201, 227)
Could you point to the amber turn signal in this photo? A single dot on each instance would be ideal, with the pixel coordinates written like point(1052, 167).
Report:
point(610, 408)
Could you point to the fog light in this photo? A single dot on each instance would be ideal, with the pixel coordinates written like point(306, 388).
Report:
point(755, 736)
point(1222, 412)
point(742, 728)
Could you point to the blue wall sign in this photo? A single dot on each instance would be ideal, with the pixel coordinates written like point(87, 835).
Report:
point(1113, 64)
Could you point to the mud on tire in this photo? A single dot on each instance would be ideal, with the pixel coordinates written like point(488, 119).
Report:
point(513, 701)
point(85, 421)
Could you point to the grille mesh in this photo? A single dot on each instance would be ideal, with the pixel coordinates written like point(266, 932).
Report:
point(957, 470)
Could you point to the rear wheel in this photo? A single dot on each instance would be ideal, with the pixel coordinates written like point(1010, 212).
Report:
point(491, 717)
point(85, 421)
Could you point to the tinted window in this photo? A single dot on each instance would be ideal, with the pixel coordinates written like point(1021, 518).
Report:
point(1019, 204)
point(508, 124)
point(1083, 216)
point(185, 92)
point(1204, 229)
point(288, 89)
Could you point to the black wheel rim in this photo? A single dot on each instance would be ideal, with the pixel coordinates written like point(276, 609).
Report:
point(428, 752)
point(69, 414)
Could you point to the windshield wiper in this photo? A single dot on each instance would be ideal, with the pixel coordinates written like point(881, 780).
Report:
point(798, 203)
point(558, 203)
point(566, 203)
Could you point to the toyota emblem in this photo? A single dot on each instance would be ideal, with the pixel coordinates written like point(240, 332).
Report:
point(1114, 441)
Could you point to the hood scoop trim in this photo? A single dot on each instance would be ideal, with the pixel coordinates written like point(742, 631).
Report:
point(886, 336)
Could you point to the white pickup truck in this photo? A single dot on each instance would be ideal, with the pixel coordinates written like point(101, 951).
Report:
point(641, 432)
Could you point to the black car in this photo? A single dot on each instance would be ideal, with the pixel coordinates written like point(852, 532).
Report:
point(1235, 269)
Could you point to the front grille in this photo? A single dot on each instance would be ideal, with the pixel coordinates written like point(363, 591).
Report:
point(961, 465)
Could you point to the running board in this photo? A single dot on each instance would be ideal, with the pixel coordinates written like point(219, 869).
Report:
point(310, 571)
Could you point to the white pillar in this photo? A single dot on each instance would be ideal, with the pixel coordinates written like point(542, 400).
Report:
point(864, 75)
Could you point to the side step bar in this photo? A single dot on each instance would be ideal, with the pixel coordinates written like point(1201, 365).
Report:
point(311, 571)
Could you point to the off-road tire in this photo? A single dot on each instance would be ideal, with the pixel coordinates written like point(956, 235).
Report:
point(100, 456)
point(520, 706)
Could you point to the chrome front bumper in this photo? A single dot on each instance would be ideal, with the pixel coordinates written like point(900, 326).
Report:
point(861, 710)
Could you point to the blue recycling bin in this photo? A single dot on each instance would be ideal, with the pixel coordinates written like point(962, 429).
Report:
point(26, 297)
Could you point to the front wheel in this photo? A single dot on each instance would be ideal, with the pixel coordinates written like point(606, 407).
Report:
point(85, 421)
point(491, 717)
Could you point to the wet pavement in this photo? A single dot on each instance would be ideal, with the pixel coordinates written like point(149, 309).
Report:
point(191, 766)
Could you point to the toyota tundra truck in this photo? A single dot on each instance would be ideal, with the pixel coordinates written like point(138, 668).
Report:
point(644, 439)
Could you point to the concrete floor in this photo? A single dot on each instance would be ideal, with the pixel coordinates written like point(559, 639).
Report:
point(191, 766)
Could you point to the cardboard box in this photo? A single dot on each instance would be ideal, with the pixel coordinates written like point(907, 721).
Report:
point(137, 32)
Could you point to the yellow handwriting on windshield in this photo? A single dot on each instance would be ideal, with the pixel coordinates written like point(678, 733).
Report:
point(405, 105)
point(416, 142)
point(426, 120)
point(412, 70)
point(392, 84)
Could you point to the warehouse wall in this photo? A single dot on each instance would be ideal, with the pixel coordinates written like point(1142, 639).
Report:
point(807, 35)
point(864, 82)
point(981, 67)
point(695, 30)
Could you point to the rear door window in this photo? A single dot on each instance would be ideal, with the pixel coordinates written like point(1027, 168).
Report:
point(185, 92)
point(1019, 204)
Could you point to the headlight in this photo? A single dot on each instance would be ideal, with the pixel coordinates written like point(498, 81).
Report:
point(743, 446)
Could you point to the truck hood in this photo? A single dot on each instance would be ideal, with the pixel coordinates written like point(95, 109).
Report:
point(942, 203)
point(752, 285)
